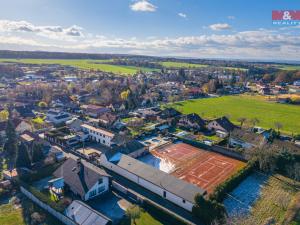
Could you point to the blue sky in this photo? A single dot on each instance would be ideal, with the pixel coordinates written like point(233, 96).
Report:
point(189, 28)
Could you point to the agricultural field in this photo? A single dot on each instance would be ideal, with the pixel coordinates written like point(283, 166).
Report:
point(288, 67)
point(177, 65)
point(234, 68)
point(101, 65)
point(169, 64)
point(245, 106)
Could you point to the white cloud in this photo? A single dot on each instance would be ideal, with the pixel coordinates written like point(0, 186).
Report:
point(255, 44)
point(55, 32)
point(143, 6)
point(220, 26)
point(183, 15)
point(231, 17)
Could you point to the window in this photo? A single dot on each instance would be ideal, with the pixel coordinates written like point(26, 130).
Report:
point(101, 189)
point(103, 141)
point(165, 194)
point(92, 193)
point(183, 200)
point(100, 181)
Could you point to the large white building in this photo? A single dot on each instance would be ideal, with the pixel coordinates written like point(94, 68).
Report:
point(165, 185)
point(99, 135)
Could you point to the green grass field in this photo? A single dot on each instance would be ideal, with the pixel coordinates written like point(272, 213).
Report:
point(169, 64)
point(245, 106)
point(146, 219)
point(274, 201)
point(288, 67)
point(234, 68)
point(177, 65)
point(85, 65)
point(10, 216)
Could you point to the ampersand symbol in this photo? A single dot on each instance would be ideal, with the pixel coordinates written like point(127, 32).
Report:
point(286, 15)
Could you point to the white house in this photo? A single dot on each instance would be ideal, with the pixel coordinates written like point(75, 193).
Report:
point(245, 139)
point(297, 83)
point(57, 117)
point(221, 124)
point(83, 179)
point(98, 134)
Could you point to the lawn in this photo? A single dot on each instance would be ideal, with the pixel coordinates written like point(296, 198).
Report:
point(245, 106)
point(170, 64)
point(177, 65)
point(275, 198)
point(11, 216)
point(234, 68)
point(146, 219)
point(85, 64)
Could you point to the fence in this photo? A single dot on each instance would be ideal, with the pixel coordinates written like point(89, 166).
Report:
point(46, 207)
point(215, 148)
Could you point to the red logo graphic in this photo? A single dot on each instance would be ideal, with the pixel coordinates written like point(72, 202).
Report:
point(286, 15)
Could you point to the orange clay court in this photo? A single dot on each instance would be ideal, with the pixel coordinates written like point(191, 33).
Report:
point(203, 168)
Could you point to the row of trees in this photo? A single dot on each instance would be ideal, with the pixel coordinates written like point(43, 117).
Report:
point(283, 76)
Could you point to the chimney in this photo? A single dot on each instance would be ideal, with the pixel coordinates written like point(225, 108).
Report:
point(80, 167)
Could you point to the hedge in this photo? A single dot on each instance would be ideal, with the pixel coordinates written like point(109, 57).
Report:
point(221, 190)
point(209, 211)
point(162, 215)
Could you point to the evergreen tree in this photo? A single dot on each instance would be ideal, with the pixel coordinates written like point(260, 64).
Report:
point(181, 74)
point(208, 211)
point(22, 159)
point(37, 153)
point(10, 146)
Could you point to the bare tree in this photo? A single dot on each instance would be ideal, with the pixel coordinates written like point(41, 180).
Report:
point(265, 154)
point(242, 120)
point(254, 121)
point(278, 126)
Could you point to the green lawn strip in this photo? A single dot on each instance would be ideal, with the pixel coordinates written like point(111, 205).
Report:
point(102, 65)
point(288, 67)
point(9, 215)
point(146, 219)
point(233, 68)
point(169, 64)
point(245, 106)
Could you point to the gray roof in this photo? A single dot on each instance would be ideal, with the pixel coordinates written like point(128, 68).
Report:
point(84, 215)
point(247, 136)
point(130, 147)
point(166, 181)
point(79, 177)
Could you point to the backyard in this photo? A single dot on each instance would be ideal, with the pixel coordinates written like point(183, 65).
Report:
point(249, 107)
point(11, 214)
